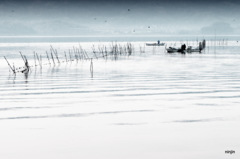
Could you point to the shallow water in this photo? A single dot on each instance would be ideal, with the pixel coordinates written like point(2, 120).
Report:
point(147, 105)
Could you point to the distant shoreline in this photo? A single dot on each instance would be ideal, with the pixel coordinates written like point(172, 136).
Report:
point(122, 38)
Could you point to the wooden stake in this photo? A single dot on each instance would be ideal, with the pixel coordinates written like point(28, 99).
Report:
point(22, 56)
point(9, 65)
point(38, 60)
point(48, 58)
point(91, 68)
point(34, 58)
point(65, 56)
point(52, 58)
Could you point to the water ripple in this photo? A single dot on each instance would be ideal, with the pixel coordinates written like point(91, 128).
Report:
point(75, 114)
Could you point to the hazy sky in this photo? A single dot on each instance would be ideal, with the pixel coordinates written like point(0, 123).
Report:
point(125, 17)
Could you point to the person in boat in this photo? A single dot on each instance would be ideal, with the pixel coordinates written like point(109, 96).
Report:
point(183, 48)
point(200, 46)
point(204, 44)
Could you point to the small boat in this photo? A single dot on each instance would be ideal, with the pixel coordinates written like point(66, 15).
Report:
point(190, 49)
point(155, 44)
point(201, 47)
point(171, 50)
point(174, 50)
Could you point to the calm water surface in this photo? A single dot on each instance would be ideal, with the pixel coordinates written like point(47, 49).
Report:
point(145, 106)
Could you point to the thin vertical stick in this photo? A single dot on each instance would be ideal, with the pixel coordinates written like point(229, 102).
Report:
point(22, 56)
point(9, 65)
point(26, 63)
point(41, 60)
point(34, 58)
point(52, 58)
point(106, 53)
point(86, 54)
point(14, 67)
point(65, 56)
point(83, 52)
point(38, 60)
point(74, 50)
point(215, 41)
point(91, 68)
point(79, 56)
point(70, 57)
point(93, 49)
point(56, 54)
point(75, 53)
point(48, 57)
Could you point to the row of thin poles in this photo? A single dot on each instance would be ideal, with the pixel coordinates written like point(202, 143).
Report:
point(76, 53)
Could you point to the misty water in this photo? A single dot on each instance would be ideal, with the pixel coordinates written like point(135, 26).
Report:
point(148, 105)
